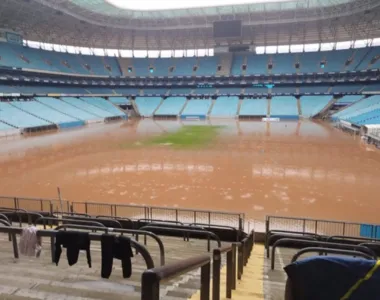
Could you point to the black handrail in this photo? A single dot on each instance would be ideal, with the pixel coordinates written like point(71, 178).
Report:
point(145, 220)
point(151, 279)
point(90, 223)
point(19, 213)
point(319, 244)
point(110, 220)
point(6, 223)
point(330, 250)
point(200, 232)
point(290, 236)
point(73, 214)
point(296, 233)
point(351, 238)
point(120, 230)
point(93, 236)
point(4, 217)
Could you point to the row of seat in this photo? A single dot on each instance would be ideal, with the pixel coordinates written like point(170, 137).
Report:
point(12, 55)
point(65, 111)
point(281, 106)
point(363, 112)
point(313, 89)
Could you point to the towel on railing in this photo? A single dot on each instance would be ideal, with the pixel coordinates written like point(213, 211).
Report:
point(334, 278)
point(73, 241)
point(116, 247)
point(30, 243)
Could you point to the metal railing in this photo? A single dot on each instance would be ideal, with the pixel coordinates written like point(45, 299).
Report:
point(13, 231)
point(35, 204)
point(187, 232)
point(284, 241)
point(330, 250)
point(52, 206)
point(121, 231)
point(305, 225)
point(151, 279)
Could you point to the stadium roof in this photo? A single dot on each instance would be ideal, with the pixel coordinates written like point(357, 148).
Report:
point(100, 24)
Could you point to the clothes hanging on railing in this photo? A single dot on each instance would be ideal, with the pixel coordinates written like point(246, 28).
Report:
point(118, 247)
point(73, 241)
point(30, 243)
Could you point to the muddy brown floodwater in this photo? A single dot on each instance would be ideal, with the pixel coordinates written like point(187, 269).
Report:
point(300, 169)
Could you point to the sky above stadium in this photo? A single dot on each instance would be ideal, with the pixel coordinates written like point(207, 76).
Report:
point(148, 5)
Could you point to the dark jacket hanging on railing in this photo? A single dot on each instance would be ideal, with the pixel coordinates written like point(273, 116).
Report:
point(73, 241)
point(116, 247)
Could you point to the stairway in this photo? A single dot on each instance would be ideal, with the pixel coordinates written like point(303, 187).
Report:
point(225, 61)
point(124, 64)
point(211, 107)
point(324, 112)
point(183, 108)
point(269, 104)
point(133, 103)
point(251, 285)
point(238, 108)
point(299, 107)
point(162, 101)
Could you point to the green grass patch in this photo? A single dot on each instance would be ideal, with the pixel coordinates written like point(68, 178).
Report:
point(185, 137)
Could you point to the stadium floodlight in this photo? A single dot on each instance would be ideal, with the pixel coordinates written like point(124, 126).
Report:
point(149, 5)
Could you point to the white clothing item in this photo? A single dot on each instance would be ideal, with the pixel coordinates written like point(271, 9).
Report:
point(30, 244)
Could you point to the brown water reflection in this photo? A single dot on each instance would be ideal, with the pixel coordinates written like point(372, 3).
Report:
point(288, 168)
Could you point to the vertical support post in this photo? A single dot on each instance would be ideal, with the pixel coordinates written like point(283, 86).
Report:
point(41, 205)
point(209, 218)
point(208, 243)
point(344, 229)
point(195, 217)
point(229, 275)
point(14, 244)
point(216, 274)
point(205, 282)
point(234, 266)
point(150, 286)
point(51, 209)
point(240, 261)
point(85, 208)
point(52, 248)
point(15, 202)
point(176, 215)
point(303, 225)
point(72, 208)
point(316, 227)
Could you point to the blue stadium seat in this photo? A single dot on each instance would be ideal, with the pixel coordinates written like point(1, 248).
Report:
point(284, 107)
point(225, 107)
point(254, 107)
point(171, 106)
point(147, 105)
point(312, 105)
point(196, 108)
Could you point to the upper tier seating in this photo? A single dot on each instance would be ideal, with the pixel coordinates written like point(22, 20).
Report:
point(285, 106)
point(12, 55)
point(312, 105)
point(283, 90)
point(347, 88)
point(24, 57)
point(104, 105)
point(313, 89)
point(225, 107)
point(44, 112)
point(171, 106)
point(18, 118)
point(254, 107)
point(205, 91)
point(94, 110)
point(66, 108)
point(180, 91)
point(196, 108)
point(147, 105)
